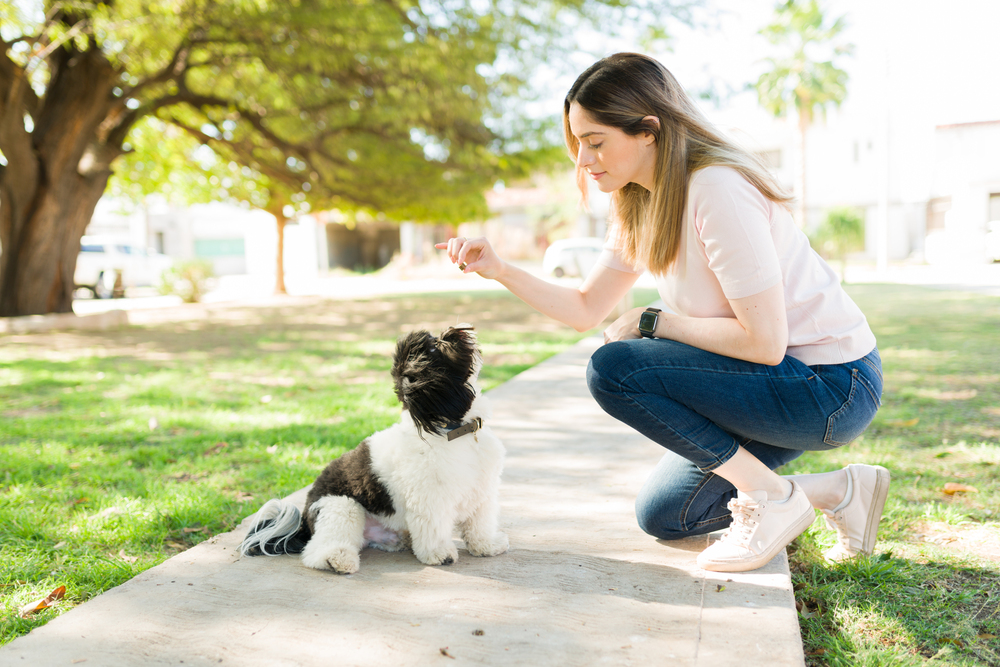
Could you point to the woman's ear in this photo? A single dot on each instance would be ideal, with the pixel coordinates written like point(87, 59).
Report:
point(652, 120)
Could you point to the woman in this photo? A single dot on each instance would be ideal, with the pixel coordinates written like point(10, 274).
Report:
point(762, 355)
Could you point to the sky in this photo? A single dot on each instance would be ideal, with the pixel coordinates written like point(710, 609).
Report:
point(933, 62)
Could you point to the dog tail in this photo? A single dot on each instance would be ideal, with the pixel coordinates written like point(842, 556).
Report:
point(277, 529)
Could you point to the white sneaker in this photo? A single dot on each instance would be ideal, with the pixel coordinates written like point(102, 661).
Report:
point(856, 519)
point(761, 528)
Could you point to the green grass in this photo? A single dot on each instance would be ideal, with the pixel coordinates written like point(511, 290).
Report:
point(119, 449)
point(931, 592)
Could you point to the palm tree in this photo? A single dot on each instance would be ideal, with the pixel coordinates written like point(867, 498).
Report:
point(799, 79)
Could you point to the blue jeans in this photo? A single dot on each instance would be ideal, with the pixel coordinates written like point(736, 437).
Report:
point(702, 406)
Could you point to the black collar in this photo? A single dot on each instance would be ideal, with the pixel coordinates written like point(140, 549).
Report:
point(458, 430)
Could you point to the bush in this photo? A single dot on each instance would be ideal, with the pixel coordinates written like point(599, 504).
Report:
point(841, 233)
point(187, 279)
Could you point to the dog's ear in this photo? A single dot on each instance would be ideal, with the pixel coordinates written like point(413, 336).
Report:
point(413, 376)
point(459, 345)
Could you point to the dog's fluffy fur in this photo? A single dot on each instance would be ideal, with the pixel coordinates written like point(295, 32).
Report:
point(406, 486)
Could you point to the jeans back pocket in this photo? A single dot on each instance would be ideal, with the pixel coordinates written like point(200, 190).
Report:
point(855, 414)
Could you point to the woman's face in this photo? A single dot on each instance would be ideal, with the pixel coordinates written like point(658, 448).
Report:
point(611, 157)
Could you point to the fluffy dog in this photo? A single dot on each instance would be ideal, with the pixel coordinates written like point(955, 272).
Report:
point(408, 485)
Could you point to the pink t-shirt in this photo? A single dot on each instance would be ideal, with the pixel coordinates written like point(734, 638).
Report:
point(737, 243)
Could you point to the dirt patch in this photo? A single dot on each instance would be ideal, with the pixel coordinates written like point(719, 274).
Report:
point(982, 541)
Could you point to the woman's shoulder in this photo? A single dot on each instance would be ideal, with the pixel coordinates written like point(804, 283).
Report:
point(717, 175)
point(717, 183)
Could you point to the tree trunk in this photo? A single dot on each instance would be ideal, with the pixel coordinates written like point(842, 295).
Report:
point(58, 168)
point(277, 209)
point(800, 212)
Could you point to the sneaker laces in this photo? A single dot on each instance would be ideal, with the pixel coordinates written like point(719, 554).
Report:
point(746, 517)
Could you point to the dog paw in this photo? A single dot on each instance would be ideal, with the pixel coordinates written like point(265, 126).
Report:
point(497, 546)
point(442, 556)
point(341, 561)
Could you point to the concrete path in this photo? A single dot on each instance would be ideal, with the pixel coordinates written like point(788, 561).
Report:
point(581, 585)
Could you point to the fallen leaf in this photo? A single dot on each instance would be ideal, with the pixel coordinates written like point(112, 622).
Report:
point(719, 588)
point(176, 545)
point(951, 488)
point(950, 640)
point(986, 635)
point(444, 652)
point(903, 423)
point(215, 449)
point(127, 559)
point(48, 601)
point(478, 633)
point(194, 529)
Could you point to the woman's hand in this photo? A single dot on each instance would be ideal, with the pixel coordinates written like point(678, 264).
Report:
point(474, 256)
point(625, 327)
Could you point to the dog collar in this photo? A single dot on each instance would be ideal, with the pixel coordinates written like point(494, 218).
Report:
point(465, 429)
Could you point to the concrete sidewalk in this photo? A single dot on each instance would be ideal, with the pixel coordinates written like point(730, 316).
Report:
point(581, 585)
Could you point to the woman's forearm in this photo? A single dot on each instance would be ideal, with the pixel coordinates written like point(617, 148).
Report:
point(565, 304)
point(582, 308)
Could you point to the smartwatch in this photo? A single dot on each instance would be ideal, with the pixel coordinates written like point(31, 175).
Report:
point(647, 322)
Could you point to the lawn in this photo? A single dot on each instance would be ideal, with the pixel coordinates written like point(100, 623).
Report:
point(122, 448)
point(931, 594)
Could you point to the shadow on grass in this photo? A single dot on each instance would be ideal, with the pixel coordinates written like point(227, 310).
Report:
point(886, 610)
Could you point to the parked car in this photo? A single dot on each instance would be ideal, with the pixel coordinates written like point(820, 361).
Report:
point(108, 267)
point(572, 257)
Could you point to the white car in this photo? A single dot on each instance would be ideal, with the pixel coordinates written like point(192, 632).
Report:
point(572, 257)
point(108, 267)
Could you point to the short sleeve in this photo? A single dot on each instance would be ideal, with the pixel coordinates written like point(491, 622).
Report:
point(732, 220)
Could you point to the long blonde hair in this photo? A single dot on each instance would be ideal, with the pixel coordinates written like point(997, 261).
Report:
point(621, 91)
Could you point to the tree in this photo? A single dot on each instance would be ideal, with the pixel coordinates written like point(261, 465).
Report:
point(799, 79)
point(842, 232)
point(397, 106)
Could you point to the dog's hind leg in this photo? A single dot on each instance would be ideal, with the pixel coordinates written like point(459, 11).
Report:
point(338, 535)
point(480, 530)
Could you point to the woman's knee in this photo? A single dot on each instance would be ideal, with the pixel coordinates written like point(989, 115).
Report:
point(599, 369)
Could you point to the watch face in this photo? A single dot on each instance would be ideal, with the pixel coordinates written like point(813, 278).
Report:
point(647, 322)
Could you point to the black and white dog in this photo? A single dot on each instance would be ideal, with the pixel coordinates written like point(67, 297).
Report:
point(412, 483)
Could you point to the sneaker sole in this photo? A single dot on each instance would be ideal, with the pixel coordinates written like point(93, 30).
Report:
point(882, 479)
point(745, 565)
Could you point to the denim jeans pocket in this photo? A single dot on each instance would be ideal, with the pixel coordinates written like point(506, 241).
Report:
point(854, 415)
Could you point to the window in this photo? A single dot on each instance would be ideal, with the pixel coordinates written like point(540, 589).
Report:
point(219, 247)
point(994, 206)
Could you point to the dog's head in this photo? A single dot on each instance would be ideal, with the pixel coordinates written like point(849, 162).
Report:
point(434, 376)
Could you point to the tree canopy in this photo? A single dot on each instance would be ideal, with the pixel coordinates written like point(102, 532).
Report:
point(804, 77)
point(405, 107)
